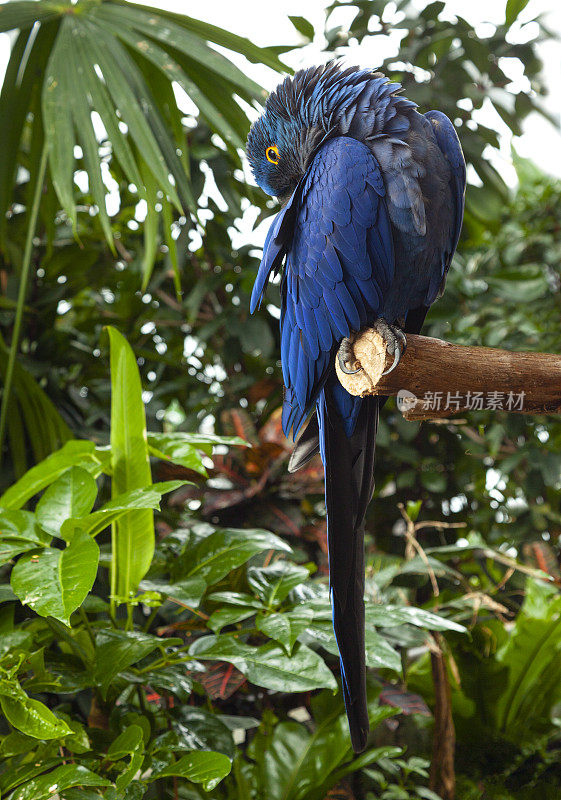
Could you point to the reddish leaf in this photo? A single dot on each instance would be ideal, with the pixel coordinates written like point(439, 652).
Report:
point(237, 422)
point(542, 556)
point(221, 680)
point(340, 792)
point(408, 702)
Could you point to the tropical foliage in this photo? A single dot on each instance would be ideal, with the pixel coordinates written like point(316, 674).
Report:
point(163, 601)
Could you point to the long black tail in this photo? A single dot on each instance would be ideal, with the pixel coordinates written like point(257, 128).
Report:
point(349, 482)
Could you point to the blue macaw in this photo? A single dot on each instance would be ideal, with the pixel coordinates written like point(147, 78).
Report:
point(372, 197)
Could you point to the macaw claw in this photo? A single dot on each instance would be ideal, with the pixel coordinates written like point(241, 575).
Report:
point(396, 342)
point(393, 336)
point(345, 355)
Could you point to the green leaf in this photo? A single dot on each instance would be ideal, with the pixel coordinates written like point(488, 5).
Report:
point(229, 616)
point(390, 616)
point(73, 453)
point(23, 14)
point(133, 540)
point(176, 448)
point(378, 652)
point(28, 715)
point(185, 593)
point(114, 509)
point(532, 656)
point(19, 533)
point(126, 743)
point(72, 495)
point(149, 23)
point(203, 767)
point(303, 26)
point(55, 582)
point(57, 99)
point(129, 743)
point(60, 779)
point(273, 583)
point(513, 9)
point(268, 666)
point(118, 650)
point(284, 628)
point(226, 549)
point(294, 764)
point(204, 441)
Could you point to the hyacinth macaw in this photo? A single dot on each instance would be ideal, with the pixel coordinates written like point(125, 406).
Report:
point(372, 197)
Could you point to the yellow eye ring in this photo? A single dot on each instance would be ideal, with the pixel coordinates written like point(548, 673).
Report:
point(272, 154)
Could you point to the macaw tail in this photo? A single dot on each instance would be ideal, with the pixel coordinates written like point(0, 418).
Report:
point(348, 458)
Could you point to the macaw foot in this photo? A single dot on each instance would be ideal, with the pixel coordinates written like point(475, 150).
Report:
point(395, 339)
point(346, 355)
point(393, 336)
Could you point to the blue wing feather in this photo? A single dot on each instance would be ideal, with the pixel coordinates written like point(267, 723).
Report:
point(274, 251)
point(449, 144)
point(339, 263)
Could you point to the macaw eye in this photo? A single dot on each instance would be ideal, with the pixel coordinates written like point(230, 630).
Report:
point(272, 154)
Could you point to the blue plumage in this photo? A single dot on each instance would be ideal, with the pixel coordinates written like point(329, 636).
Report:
point(373, 199)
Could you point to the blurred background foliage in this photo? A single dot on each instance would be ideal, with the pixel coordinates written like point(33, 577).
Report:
point(137, 205)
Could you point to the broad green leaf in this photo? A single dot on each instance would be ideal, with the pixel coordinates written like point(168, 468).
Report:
point(74, 453)
point(203, 440)
point(186, 593)
point(70, 32)
point(118, 650)
point(16, 640)
point(151, 225)
point(229, 616)
point(149, 23)
point(71, 495)
point(532, 656)
point(284, 628)
point(58, 91)
point(232, 41)
point(19, 533)
point(60, 779)
point(129, 743)
point(390, 616)
point(268, 666)
point(115, 58)
point(176, 448)
point(273, 583)
point(131, 104)
point(225, 549)
point(207, 768)
point(15, 99)
point(25, 772)
point(114, 509)
point(378, 652)
point(133, 541)
point(513, 9)
point(28, 715)
point(294, 764)
point(55, 582)
point(303, 26)
point(24, 14)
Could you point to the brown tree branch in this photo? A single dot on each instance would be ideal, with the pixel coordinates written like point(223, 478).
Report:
point(436, 379)
point(442, 774)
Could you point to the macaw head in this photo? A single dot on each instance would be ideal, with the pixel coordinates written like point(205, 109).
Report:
point(279, 145)
point(312, 106)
